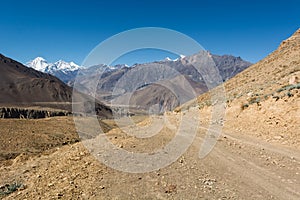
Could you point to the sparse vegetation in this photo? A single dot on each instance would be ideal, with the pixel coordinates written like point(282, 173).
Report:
point(289, 87)
point(257, 99)
point(254, 100)
point(10, 188)
point(204, 103)
point(289, 94)
point(266, 97)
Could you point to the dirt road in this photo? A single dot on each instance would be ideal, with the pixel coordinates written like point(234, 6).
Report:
point(239, 167)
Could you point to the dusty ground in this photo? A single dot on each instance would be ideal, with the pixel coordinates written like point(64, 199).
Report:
point(256, 157)
point(241, 166)
point(34, 136)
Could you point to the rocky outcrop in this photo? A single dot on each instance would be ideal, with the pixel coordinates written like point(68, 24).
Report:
point(23, 113)
point(293, 80)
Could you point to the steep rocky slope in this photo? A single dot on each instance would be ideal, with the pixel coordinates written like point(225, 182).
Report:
point(271, 73)
point(264, 100)
point(21, 86)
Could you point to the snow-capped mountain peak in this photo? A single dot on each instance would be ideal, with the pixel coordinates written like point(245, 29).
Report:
point(61, 69)
point(39, 59)
point(38, 63)
point(42, 65)
point(65, 66)
point(168, 59)
point(179, 58)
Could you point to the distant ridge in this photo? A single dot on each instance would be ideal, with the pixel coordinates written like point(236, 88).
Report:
point(60, 69)
point(67, 71)
point(26, 87)
point(146, 76)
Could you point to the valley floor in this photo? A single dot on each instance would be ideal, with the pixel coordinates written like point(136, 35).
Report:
point(242, 165)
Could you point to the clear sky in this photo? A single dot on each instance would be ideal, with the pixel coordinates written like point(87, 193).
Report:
point(70, 29)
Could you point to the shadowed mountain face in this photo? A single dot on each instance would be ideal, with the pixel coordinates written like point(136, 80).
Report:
point(166, 95)
point(229, 66)
point(20, 84)
point(23, 86)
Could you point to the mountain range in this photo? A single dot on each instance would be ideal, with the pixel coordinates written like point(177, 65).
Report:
point(61, 69)
point(65, 71)
point(149, 92)
point(136, 82)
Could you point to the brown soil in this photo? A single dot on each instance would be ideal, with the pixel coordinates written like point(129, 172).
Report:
point(240, 167)
point(34, 136)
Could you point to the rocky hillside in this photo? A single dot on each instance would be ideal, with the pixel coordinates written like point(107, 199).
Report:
point(23, 86)
point(20, 84)
point(271, 73)
point(264, 99)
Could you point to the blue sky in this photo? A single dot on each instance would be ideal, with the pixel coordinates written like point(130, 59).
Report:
point(69, 30)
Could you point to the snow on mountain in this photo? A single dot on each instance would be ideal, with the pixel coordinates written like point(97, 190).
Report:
point(179, 58)
point(168, 59)
point(39, 64)
point(115, 67)
point(65, 66)
point(67, 71)
point(42, 65)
